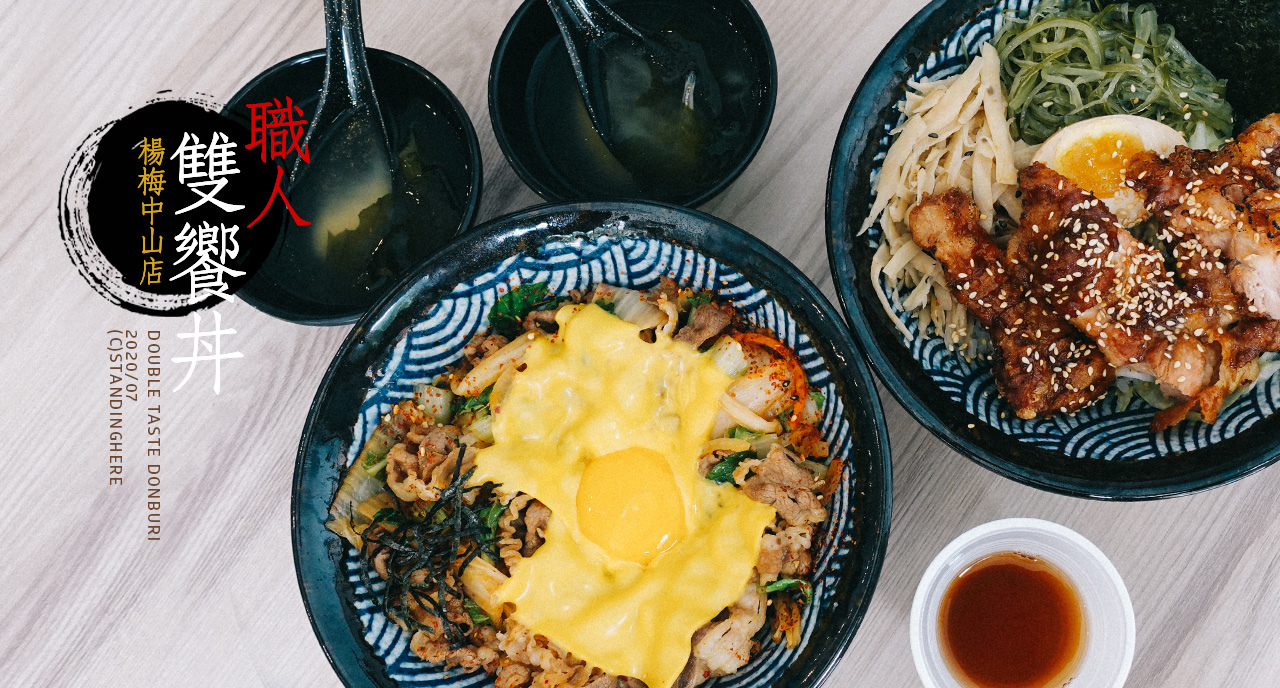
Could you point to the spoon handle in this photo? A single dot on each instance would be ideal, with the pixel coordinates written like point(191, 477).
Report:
point(586, 26)
point(346, 72)
point(348, 86)
point(589, 19)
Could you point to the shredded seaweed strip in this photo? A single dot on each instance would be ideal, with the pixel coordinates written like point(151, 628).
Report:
point(1237, 39)
point(1067, 62)
point(426, 553)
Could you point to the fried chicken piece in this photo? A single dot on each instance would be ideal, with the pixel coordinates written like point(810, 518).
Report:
point(1253, 338)
point(1256, 151)
point(1117, 290)
point(1214, 318)
point(1236, 368)
point(1220, 213)
point(1041, 363)
point(1225, 203)
point(1203, 274)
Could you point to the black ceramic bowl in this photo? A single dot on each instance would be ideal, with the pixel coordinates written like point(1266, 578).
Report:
point(532, 28)
point(419, 328)
point(1103, 452)
point(413, 101)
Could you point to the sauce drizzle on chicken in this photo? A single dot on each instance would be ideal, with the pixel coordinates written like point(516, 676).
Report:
point(1041, 363)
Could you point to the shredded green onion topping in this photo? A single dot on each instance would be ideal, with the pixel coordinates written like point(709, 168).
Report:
point(805, 588)
point(722, 472)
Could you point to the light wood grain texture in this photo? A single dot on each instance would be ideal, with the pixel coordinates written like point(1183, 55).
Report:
point(85, 600)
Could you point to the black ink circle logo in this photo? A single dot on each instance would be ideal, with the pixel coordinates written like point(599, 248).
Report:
point(164, 212)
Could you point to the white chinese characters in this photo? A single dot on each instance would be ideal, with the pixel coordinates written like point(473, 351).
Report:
point(206, 250)
point(201, 166)
point(211, 341)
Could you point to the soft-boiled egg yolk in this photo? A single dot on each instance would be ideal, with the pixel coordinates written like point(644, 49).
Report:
point(1095, 155)
point(1097, 164)
point(605, 429)
point(628, 503)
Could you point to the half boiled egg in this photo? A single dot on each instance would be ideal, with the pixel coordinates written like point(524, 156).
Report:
point(1095, 155)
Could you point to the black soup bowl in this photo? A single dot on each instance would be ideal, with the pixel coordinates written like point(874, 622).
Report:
point(429, 130)
point(543, 128)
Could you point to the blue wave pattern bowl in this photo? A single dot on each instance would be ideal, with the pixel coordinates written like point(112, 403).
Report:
point(1102, 451)
point(622, 248)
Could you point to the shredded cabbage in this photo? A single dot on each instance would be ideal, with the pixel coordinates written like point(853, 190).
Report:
point(363, 489)
point(631, 305)
point(1066, 62)
point(728, 356)
point(480, 427)
point(1130, 384)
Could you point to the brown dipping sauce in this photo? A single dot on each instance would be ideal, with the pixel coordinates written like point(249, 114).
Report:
point(1011, 620)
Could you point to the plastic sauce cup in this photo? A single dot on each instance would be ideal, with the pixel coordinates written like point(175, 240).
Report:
point(1108, 613)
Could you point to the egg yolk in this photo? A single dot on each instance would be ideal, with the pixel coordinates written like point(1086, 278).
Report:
point(628, 503)
point(1097, 163)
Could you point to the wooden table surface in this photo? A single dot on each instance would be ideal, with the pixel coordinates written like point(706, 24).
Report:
point(87, 600)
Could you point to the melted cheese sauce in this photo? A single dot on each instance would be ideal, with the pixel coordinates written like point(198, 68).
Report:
point(641, 550)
